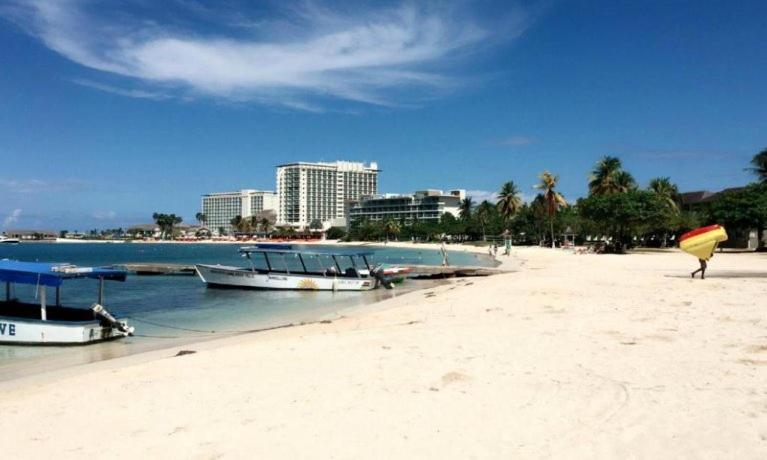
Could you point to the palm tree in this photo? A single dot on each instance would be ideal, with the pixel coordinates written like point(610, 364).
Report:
point(602, 179)
point(265, 224)
point(238, 223)
point(669, 193)
point(552, 199)
point(201, 218)
point(483, 213)
point(667, 190)
point(166, 223)
point(509, 201)
point(465, 208)
point(608, 177)
point(391, 227)
point(624, 181)
point(759, 165)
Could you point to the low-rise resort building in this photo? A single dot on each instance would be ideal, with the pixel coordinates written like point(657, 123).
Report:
point(423, 205)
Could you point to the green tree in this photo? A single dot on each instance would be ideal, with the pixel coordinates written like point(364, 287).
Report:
point(667, 190)
point(742, 209)
point(391, 228)
point(166, 222)
point(759, 165)
point(669, 193)
point(551, 199)
point(624, 181)
point(465, 208)
point(608, 177)
point(624, 216)
point(315, 224)
point(335, 233)
point(201, 218)
point(509, 201)
point(483, 216)
point(265, 225)
point(239, 224)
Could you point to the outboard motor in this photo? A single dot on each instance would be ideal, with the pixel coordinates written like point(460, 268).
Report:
point(101, 313)
point(383, 280)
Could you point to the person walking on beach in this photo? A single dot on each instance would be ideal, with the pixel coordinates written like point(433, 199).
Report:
point(704, 264)
point(702, 269)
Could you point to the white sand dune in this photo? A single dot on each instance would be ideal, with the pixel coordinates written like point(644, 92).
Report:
point(572, 356)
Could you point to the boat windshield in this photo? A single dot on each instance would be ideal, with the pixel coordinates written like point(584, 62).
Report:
point(308, 262)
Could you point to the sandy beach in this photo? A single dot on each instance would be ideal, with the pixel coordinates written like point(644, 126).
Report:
point(569, 356)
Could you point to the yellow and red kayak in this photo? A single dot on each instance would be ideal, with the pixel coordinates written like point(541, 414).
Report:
point(702, 242)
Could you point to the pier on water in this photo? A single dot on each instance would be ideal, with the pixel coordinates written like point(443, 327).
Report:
point(416, 271)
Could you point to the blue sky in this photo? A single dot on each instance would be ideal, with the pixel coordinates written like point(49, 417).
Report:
point(108, 113)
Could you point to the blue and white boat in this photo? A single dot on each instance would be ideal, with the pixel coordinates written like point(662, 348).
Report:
point(44, 323)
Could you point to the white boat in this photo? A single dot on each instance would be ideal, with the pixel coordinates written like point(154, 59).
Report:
point(6, 240)
point(41, 323)
point(286, 268)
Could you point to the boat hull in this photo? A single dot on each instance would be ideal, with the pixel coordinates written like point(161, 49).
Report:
point(23, 331)
point(224, 276)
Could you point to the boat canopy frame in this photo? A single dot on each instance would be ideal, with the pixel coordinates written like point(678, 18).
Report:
point(335, 269)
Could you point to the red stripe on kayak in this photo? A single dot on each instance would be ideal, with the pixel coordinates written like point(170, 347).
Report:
point(699, 231)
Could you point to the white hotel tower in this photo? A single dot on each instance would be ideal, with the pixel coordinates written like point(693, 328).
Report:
point(317, 191)
point(221, 208)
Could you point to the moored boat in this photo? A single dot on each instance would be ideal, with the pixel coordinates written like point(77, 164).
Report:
point(287, 268)
point(23, 323)
point(7, 240)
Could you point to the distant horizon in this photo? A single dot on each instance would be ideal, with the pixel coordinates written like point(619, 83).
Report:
point(178, 99)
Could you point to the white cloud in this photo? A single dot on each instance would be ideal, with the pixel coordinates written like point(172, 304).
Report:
point(11, 218)
point(137, 93)
point(479, 196)
point(38, 185)
point(517, 141)
point(314, 53)
point(104, 215)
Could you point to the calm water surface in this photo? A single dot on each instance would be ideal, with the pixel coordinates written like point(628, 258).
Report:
point(173, 310)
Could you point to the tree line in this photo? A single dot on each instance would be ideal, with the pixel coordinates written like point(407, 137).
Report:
point(616, 212)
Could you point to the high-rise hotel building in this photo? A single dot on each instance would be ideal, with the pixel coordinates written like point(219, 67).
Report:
point(221, 208)
point(317, 191)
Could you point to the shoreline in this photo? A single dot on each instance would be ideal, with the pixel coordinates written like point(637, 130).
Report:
point(575, 355)
point(71, 365)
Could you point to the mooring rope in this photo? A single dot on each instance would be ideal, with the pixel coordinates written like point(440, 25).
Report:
point(213, 332)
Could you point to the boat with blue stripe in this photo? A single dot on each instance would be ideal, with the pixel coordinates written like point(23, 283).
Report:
point(51, 323)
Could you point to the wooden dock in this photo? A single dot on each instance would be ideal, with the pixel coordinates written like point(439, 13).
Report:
point(152, 269)
point(439, 272)
point(416, 271)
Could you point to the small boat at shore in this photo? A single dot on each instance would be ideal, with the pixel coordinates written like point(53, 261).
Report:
point(287, 268)
point(23, 323)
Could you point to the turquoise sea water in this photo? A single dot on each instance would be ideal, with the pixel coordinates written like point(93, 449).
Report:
point(172, 310)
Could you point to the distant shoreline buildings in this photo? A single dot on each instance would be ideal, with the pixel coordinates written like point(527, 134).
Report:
point(220, 208)
point(335, 194)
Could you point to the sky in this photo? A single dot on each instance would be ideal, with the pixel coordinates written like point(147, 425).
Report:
point(112, 111)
